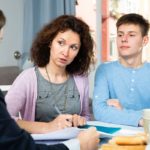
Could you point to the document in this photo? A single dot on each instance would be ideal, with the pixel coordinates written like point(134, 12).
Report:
point(105, 129)
point(63, 134)
point(109, 130)
point(72, 132)
point(123, 131)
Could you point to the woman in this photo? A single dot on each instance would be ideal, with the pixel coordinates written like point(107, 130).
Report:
point(14, 138)
point(55, 93)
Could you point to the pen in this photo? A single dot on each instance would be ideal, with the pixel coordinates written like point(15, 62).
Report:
point(59, 112)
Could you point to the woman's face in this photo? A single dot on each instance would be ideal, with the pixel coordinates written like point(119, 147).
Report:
point(64, 48)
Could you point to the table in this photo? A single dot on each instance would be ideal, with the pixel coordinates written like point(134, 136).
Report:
point(103, 140)
point(123, 127)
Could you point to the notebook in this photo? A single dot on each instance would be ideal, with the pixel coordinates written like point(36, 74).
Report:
point(109, 130)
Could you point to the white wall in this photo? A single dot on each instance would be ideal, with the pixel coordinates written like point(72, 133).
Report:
point(86, 9)
point(13, 31)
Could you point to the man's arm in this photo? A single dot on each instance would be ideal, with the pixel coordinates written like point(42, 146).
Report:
point(14, 138)
point(102, 111)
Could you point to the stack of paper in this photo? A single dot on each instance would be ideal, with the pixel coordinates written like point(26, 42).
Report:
point(64, 134)
point(69, 133)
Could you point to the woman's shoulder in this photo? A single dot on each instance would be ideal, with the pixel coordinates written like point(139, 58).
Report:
point(29, 71)
point(80, 79)
point(27, 74)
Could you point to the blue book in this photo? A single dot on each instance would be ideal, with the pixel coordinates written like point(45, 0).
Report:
point(109, 130)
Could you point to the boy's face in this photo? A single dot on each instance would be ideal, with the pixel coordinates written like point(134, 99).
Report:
point(130, 40)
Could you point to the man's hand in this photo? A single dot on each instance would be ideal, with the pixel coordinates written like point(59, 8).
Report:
point(89, 139)
point(141, 122)
point(115, 103)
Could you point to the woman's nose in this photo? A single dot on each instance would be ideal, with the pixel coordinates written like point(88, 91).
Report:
point(66, 51)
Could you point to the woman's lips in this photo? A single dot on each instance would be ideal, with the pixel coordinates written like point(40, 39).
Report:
point(62, 60)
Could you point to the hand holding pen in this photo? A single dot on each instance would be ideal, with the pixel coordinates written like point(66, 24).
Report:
point(76, 120)
point(62, 120)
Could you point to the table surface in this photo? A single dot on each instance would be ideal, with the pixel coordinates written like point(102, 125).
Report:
point(104, 140)
point(123, 127)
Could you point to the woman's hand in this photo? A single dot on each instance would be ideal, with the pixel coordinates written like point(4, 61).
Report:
point(78, 120)
point(115, 103)
point(60, 122)
point(66, 120)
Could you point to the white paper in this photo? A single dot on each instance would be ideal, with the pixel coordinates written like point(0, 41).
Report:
point(67, 133)
point(128, 132)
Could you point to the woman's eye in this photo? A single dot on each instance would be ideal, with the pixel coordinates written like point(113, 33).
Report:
point(74, 47)
point(61, 43)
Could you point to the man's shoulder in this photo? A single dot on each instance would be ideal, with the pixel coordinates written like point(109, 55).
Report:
point(108, 64)
point(2, 97)
point(147, 63)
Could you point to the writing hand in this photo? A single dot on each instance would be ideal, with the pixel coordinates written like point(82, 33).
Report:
point(78, 120)
point(60, 122)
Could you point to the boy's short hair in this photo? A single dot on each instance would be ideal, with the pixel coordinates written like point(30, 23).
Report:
point(136, 19)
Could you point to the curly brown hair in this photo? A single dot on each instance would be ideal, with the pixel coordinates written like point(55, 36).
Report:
point(40, 51)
